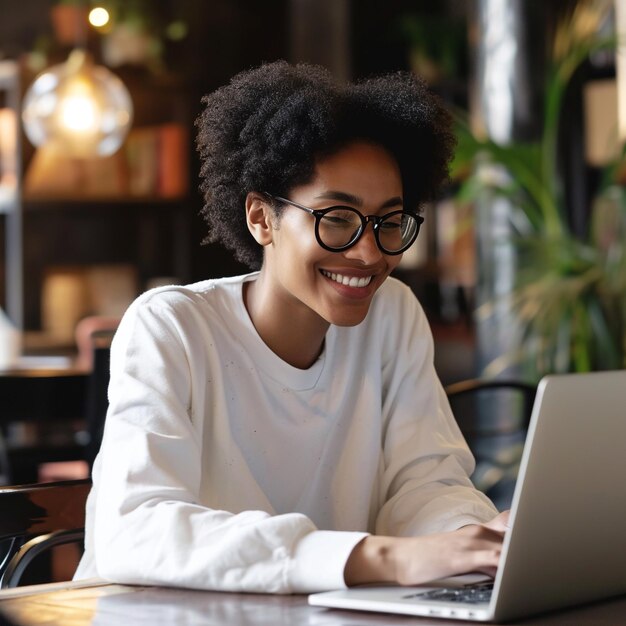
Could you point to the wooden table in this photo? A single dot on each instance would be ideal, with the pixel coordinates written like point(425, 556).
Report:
point(66, 604)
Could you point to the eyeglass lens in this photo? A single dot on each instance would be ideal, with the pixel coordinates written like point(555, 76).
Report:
point(341, 226)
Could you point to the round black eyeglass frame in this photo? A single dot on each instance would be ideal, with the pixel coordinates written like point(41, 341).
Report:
point(376, 220)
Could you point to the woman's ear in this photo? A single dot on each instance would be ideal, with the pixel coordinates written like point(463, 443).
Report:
point(259, 216)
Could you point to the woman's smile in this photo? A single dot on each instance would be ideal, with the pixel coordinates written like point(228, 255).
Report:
point(348, 280)
point(355, 287)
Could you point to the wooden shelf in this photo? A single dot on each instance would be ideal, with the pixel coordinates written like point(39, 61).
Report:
point(78, 203)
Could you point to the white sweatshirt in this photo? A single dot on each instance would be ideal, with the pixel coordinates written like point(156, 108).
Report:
point(223, 467)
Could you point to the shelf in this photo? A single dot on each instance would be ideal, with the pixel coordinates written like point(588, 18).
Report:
point(77, 203)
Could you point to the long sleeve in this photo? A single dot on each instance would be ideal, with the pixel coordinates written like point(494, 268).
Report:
point(427, 464)
point(150, 527)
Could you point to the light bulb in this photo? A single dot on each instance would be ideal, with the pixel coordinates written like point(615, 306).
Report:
point(78, 114)
point(98, 17)
point(82, 108)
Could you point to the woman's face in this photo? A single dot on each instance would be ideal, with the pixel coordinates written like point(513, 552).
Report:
point(304, 275)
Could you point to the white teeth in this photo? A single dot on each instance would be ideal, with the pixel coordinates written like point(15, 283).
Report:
point(351, 281)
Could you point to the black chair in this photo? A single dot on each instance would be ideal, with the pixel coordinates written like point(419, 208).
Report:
point(97, 401)
point(34, 519)
point(493, 416)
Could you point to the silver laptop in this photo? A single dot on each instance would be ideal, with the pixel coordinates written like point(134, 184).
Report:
point(567, 541)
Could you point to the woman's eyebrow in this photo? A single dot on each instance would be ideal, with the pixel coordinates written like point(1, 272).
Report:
point(342, 196)
point(393, 202)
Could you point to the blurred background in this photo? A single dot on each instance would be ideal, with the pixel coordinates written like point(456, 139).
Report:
point(521, 264)
point(520, 267)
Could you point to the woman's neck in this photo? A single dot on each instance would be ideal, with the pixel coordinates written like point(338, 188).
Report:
point(289, 328)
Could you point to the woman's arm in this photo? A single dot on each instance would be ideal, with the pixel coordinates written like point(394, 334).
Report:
point(425, 486)
point(149, 523)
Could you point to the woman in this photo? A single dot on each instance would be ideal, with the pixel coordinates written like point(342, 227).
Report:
point(285, 431)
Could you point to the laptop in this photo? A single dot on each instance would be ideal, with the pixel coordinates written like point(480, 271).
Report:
point(567, 539)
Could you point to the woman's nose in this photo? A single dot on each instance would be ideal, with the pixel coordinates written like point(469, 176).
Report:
point(365, 249)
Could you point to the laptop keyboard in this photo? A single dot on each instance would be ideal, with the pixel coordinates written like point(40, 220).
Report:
point(479, 593)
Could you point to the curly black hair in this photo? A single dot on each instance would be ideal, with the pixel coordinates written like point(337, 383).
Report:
point(265, 130)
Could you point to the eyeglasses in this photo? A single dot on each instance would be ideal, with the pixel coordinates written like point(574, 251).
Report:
point(338, 228)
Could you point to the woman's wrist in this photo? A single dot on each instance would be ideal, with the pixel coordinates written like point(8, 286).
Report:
point(372, 560)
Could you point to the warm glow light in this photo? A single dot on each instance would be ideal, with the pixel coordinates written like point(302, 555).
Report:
point(78, 114)
point(98, 17)
point(81, 107)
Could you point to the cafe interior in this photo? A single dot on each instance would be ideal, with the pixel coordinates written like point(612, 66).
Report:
point(520, 266)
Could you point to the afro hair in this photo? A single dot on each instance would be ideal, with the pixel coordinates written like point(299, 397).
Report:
point(266, 129)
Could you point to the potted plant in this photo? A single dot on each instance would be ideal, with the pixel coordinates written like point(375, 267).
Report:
point(569, 293)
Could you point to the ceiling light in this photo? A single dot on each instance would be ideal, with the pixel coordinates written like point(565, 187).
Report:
point(82, 108)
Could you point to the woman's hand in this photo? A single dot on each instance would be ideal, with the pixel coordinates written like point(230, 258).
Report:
point(417, 560)
point(500, 522)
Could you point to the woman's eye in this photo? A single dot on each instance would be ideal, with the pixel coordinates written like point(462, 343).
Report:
point(334, 219)
point(391, 226)
point(341, 218)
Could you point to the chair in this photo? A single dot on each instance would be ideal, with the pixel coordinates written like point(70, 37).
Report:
point(35, 518)
point(493, 416)
point(97, 400)
point(93, 331)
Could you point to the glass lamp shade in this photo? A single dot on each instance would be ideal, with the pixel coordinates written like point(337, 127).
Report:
point(82, 108)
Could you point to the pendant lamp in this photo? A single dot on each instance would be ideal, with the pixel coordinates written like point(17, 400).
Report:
point(82, 108)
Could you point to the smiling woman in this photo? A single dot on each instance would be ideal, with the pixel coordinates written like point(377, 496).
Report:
point(305, 298)
point(285, 431)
